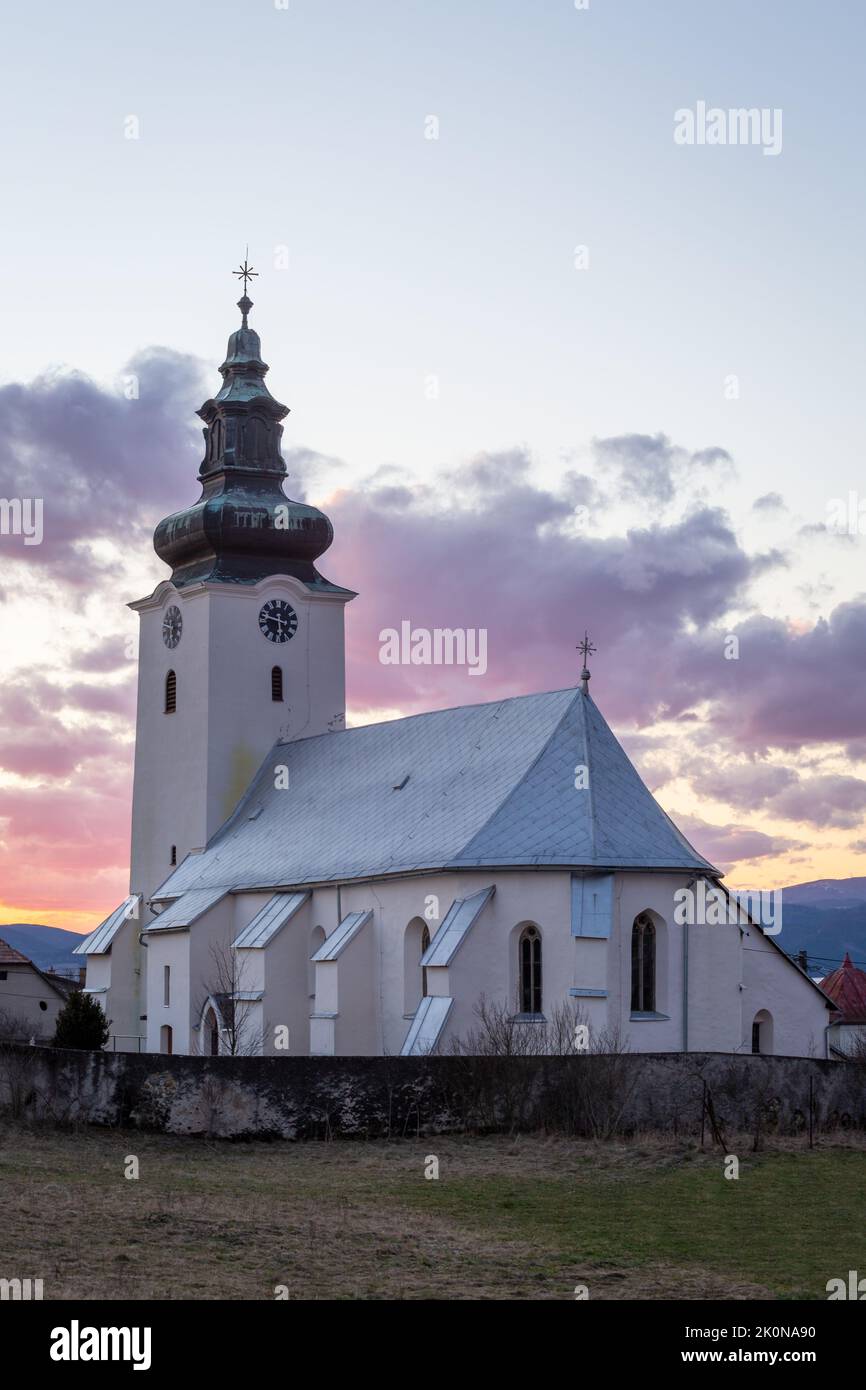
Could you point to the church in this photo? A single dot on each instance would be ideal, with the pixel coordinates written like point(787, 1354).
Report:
point(302, 888)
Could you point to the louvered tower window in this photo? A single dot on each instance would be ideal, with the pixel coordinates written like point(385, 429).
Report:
point(277, 683)
point(170, 693)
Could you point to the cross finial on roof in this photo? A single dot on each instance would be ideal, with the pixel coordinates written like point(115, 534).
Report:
point(245, 273)
point(586, 648)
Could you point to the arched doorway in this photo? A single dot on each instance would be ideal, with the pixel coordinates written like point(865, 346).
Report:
point(762, 1032)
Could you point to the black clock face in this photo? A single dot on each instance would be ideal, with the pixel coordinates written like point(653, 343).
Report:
point(278, 620)
point(172, 626)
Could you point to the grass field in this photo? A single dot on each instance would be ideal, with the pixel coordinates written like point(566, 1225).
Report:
point(526, 1218)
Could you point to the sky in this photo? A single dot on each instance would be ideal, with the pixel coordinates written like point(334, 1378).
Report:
point(548, 368)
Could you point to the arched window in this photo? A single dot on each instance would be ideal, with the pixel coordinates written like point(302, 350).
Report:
point(211, 1034)
point(530, 971)
point(276, 683)
point(762, 1032)
point(165, 1039)
point(425, 944)
point(416, 939)
point(643, 965)
point(170, 693)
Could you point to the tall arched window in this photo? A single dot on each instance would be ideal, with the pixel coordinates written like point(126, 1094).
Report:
point(170, 693)
point(643, 965)
point(425, 943)
point(416, 939)
point(277, 683)
point(530, 971)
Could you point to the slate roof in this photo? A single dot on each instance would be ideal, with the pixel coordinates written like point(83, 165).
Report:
point(9, 956)
point(425, 1028)
point(186, 910)
point(488, 785)
point(98, 943)
point(846, 986)
point(276, 912)
point(459, 920)
point(334, 945)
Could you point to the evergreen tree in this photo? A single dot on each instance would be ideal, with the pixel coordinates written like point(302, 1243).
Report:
point(81, 1023)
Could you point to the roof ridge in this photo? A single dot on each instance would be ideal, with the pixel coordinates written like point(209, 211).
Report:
point(427, 714)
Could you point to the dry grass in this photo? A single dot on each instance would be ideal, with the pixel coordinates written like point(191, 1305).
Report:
point(522, 1219)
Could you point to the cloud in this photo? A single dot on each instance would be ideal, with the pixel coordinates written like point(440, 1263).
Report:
point(106, 468)
point(651, 468)
point(770, 502)
point(729, 845)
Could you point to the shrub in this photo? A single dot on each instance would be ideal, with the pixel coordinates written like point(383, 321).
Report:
point(81, 1024)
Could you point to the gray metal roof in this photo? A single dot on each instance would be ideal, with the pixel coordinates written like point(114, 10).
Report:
point(186, 909)
point(99, 941)
point(276, 912)
point(459, 919)
point(426, 1026)
point(489, 785)
point(334, 945)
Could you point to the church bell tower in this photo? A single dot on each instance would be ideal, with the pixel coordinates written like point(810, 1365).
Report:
point(244, 643)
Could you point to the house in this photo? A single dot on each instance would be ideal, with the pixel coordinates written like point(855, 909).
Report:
point(304, 888)
point(846, 987)
point(30, 998)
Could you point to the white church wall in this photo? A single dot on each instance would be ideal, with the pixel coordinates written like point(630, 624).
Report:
point(356, 1028)
point(633, 894)
point(171, 756)
point(124, 1002)
point(281, 969)
point(168, 950)
point(799, 1015)
point(243, 720)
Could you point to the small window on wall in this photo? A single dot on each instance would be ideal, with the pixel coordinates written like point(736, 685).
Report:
point(173, 855)
point(170, 693)
point(277, 683)
point(166, 984)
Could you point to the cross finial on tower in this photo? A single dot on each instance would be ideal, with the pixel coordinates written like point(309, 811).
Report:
point(586, 648)
point(245, 273)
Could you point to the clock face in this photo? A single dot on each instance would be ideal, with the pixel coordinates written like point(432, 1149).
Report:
point(172, 626)
point(278, 620)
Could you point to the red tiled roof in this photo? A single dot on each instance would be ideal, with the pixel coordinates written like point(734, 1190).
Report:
point(847, 988)
point(9, 956)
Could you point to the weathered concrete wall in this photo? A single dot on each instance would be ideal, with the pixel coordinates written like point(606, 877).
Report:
point(366, 1097)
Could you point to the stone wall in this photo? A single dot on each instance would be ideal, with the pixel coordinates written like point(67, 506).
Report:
point(371, 1097)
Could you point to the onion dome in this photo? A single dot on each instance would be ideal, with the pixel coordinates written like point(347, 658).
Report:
point(846, 986)
point(243, 527)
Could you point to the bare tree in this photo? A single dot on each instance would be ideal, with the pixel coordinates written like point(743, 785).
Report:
point(225, 985)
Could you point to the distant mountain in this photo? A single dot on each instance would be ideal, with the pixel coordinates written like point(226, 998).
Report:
point(48, 947)
point(825, 918)
point(827, 892)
